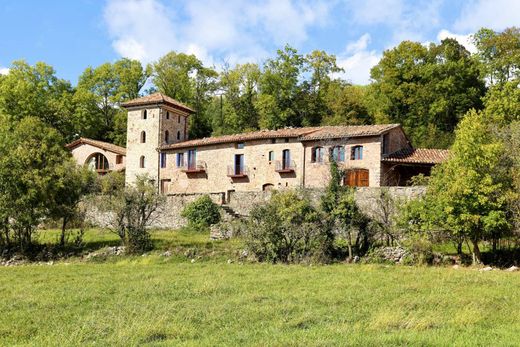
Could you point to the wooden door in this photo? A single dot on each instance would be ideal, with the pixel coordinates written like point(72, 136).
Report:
point(356, 178)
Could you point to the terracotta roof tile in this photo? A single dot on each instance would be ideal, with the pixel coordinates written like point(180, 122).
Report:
point(303, 134)
point(157, 98)
point(96, 143)
point(333, 132)
point(418, 156)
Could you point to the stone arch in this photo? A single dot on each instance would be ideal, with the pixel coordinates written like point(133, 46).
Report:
point(97, 162)
point(267, 187)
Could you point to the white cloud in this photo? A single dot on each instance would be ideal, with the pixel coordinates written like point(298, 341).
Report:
point(357, 60)
point(493, 14)
point(214, 30)
point(4, 70)
point(465, 40)
point(404, 20)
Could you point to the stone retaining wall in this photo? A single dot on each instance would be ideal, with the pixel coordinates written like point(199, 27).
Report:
point(243, 202)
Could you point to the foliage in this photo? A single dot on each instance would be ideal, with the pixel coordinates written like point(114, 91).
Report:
point(384, 212)
point(33, 169)
point(184, 78)
point(428, 89)
point(286, 229)
point(467, 193)
point(202, 212)
point(132, 210)
point(35, 91)
point(98, 96)
point(499, 54)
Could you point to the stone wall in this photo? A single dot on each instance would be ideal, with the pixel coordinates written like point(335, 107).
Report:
point(243, 202)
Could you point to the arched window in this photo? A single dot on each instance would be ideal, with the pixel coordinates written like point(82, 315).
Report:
point(178, 135)
point(143, 137)
point(166, 136)
point(317, 155)
point(97, 162)
point(144, 114)
point(142, 162)
point(167, 114)
point(356, 153)
point(338, 153)
point(178, 119)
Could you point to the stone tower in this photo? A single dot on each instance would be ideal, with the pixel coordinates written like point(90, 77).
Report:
point(153, 121)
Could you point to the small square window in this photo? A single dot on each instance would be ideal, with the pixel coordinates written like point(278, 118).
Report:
point(286, 140)
point(119, 159)
point(273, 140)
point(240, 145)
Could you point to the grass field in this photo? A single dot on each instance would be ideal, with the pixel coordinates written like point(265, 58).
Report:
point(156, 300)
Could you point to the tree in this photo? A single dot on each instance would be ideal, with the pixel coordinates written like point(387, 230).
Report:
point(31, 167)
point(499, 53)
point(286, 229)
point(428, 89)
point(280, 89)
point(35, 91)
point(235, 110)
point(312, 103)
point(99, 93)
point(468, 192)
point(133, 209)
point(347, 105)
point(184, 78)
point(73, 184)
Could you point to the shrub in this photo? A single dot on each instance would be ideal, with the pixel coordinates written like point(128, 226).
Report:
point(202, 212)
point(132, 210)
point(286, 229)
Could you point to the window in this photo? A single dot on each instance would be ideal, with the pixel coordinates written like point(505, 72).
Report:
point(286, 140)
point(273, 140)
point(271, 155)
point(143, 137)
point(386, 144)
point(239, 145)
point(192, 159)
point(180, 159)
point(166, 136)
point(356, 178)
point(165, 185)
point(179, 119)
point(98, 162)
point(142, 162)
point(356, 153)
point(163, 160)
point(338, 153)
point(178, 135)
point(239, 164)
point(144, 115)
point(286, 159)
point(167, 114)
point(317, 155)
point(119, 159)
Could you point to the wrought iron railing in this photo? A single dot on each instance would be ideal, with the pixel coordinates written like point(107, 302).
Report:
point(284, 166)
point(237, 171)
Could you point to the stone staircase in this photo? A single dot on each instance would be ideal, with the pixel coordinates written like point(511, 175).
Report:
point(230, 213)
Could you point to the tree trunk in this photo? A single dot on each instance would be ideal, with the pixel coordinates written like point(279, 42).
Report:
point(63, 228)
point(459, 247)
point(476, 252)
point(349, 238)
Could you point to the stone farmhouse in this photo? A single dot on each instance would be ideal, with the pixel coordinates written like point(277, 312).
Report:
point(100, 156)
point(158, 146)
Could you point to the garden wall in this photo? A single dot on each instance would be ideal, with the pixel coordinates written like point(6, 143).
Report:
point(243, 202)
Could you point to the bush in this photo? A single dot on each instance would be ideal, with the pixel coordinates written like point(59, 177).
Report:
point(287, 229)
point(202, 213)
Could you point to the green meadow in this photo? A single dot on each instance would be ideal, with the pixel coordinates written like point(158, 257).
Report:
point(196, 297)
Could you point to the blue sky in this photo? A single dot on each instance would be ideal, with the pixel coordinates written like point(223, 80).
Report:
point(71, 35)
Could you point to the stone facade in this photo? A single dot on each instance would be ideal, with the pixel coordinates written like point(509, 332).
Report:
point(82, 151)
point(148, 128)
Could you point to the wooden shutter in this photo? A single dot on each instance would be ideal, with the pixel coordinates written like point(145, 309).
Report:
point(362, 178)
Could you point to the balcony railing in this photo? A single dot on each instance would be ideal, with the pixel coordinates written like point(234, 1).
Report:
point(194, 167)
point(237, 172)
point(282, 166)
